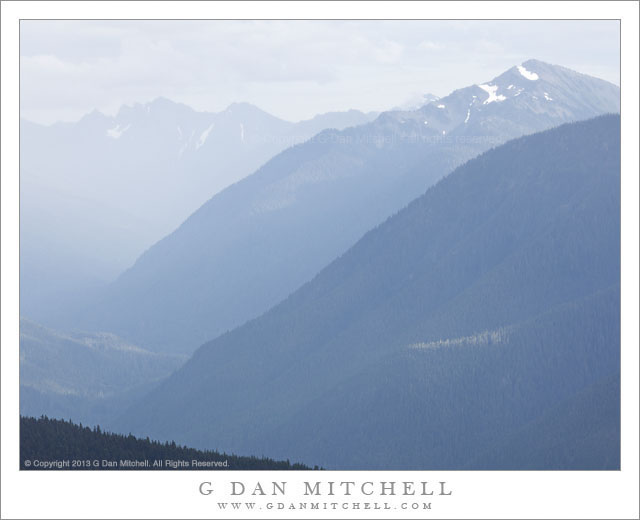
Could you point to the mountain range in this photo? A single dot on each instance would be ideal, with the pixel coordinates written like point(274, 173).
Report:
point(257, 241)
point(97, 192)
point(477, 328)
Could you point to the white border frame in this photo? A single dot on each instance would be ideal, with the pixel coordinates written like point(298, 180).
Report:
point(175, 495)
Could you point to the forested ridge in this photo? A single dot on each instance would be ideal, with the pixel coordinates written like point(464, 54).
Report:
point(56, 441)
point(87, 377)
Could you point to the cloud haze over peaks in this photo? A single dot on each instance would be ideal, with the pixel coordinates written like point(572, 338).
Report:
point(292, 69)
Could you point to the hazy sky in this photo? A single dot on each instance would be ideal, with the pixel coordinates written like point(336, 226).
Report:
point(292, 69)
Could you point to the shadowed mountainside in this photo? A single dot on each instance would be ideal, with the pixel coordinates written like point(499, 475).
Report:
point(465, 323)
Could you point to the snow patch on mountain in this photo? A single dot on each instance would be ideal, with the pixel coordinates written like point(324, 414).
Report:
point(531, 76)
point(116, 132)
point(492, 90)
point(203, 136)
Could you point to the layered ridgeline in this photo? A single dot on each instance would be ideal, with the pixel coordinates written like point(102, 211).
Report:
point(477, 328)
point(84, 377)
point(63, 445)
point(253, 244)
point(95, 194)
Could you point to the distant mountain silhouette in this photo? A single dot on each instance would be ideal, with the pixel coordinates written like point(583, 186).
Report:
point(95, 194)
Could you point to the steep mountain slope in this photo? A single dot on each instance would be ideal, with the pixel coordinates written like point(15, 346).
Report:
point(441, 334)
point(257, 241)
point(582, 433)
point(493, 400)
point(85, 377)
point(96, 193)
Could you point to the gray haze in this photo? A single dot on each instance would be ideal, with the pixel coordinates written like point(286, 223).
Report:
point(292, 69)
point(96, 193)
